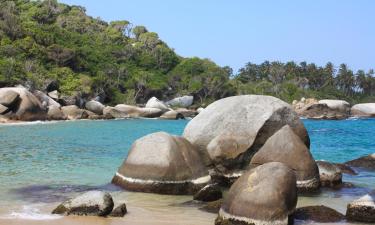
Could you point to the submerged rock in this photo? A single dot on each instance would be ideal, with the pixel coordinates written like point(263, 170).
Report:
point(209, 193)
point(366, 162)
point(264, 195)
point(362, 209)
point(92, 203)
point(286, 147)
point(161, 163)
point(363, 110)
point(119, 211)
point(330, 174)
point(231, 130)
point(320, 214)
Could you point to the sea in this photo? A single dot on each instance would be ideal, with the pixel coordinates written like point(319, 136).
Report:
point(44, 163)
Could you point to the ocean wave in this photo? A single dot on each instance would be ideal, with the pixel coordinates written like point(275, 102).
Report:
point(30, 213)
point(29, 123)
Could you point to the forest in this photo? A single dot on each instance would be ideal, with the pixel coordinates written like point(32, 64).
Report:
point(119, 62)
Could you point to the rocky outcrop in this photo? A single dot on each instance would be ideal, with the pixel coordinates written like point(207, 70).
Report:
point(319, 213)
point(25, 107)
point(209, 193)
point(286, 147)
point(345, 168)
point(129, 111)
point(92, 203)
point(55, 113)
point(184, 101)
point(330, 174)
point(172, 115)
point(363, 110)
point(337, 105)
point(161, 163)
point(95, 107)
point(119, 211)
point(231, 130)
point(366, 162)
point(324, 109)
point(72, 112)
point(45, 99)
point(362, 209)
point(264, 195)
point(157, 104)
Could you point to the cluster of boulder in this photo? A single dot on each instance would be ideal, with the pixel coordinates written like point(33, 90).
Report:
point(256, 145)
point(332, 109)
point(21, 104)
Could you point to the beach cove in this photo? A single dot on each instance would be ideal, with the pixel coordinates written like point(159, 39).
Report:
point(43, 163)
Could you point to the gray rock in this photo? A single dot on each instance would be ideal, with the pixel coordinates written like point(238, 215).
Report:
point(157, 104)
point(45, 99)
point(233, 129)
point(72, 112)
point(119, 211)
point(363, 110)
point(55, 113)
point(28, 107)
point(54, 94)
point(264, 195)
point(129, 111)
point(92, 203)
point(172, 115)
point(209, 193)
point(184, 101)
point(95, 107)
point(330, 174)
point(362, 209)
point(161, 163)
point(338, 105)
point(8, 97)
point(286, 147)
point(366, 162)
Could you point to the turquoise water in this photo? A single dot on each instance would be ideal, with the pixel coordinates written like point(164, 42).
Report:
point(41, 162)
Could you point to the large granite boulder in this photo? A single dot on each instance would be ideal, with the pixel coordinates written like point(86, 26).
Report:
point(338, 105)
point(55, 113)
point(157, 104)
point(366, 162)
point(46, 100)
point(8, 97)
point(264, 195)
point(362, 209)
point(26, 108)
point(95, 107)
point(231, 130)
point(72, 112)
point(92, 203)
point(321, 111)
point(363, 110)
point(286, 147)
point(161, 163)
point(184, 101)
point(129, 111)
point(330, 174)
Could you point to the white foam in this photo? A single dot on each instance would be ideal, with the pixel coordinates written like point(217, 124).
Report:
point(227, 216)
point(31, 213)
point(200, 180)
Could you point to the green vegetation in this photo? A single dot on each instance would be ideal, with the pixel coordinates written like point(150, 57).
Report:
point(44, 41)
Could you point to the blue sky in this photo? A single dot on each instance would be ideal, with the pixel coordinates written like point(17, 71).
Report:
point(233, 32)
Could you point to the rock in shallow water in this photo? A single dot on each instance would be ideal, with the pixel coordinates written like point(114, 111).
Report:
point(286, 147)
point(320, 214)
point(330, 174)
point(229, 131)
point(362, 209)
point(92, 203)
point(366, 162)
point(264, 195)
point(162, 163)
point(208, 193)
point(119, 211)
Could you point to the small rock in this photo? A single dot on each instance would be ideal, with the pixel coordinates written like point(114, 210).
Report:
point(157, 104)
point(366, 162)
point(321, 214)
point(172, 115)
point(119, 211)
point(208, 193)
point(330, 174)
point(362, 209)
point(95, 107)
point(346, 169)
point(92, 203)
point(54, 94)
